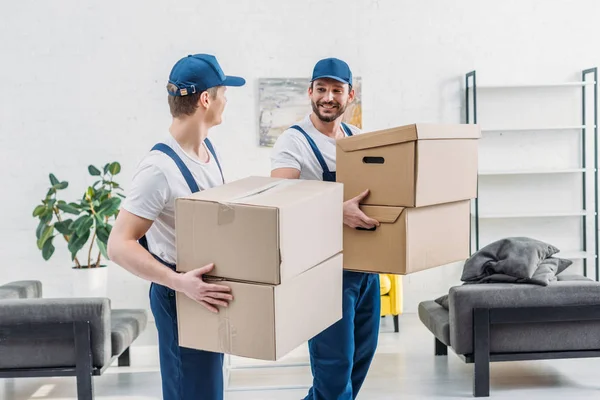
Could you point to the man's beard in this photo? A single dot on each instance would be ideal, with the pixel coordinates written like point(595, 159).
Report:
point(328, 118)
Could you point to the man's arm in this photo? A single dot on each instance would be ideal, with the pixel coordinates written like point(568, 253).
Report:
point(124, 250)
point(286, 173)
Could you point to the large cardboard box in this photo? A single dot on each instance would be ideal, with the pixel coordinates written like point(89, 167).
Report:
point(260, 229)
point(409, 239)
point(266, 321)
point(410, 166)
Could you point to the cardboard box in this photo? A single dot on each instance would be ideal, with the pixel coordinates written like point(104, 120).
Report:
point(260, 229)
point(410, 166)
point(409, 239)
point(266, 321)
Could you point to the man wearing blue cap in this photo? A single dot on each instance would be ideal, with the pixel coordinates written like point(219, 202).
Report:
point(143, 237)
point(340, 355)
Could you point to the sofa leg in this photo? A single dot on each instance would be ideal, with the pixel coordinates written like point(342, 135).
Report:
point(440, 348)
point(124, 360)
point(396, 325)
point(481, 350)
point(83, 361)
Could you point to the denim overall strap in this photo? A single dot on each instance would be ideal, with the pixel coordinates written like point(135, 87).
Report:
point(346, 129)
point(187, 175)
point(214, 154)
point(314, 148)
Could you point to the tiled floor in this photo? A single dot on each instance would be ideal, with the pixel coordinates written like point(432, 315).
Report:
point(404, 368)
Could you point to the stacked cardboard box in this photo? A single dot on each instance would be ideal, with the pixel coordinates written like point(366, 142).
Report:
point(278, 244)
point(421, 178)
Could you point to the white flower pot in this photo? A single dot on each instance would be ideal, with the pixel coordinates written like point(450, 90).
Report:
point(90, 282)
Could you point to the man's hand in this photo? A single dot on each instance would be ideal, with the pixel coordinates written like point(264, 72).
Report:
point(354, 217)
point(207, 294)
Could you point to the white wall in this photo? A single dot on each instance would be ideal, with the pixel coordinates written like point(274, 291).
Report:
point(84, 82)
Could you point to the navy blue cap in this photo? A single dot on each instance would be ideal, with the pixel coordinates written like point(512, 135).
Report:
point(332, 68)
point(199, 72)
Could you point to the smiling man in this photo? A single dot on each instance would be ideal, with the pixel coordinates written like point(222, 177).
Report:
point(341, 355)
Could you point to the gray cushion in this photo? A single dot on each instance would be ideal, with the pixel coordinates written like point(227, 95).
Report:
point(18, 352)
point(21, 290)
point(126, 327)
point(525, 337)
point(436, 319)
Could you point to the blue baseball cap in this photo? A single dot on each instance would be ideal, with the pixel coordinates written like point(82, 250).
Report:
point(199, 72)
point(332, 68)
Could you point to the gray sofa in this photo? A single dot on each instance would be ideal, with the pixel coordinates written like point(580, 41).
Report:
point(510, 322)
point(62, 336)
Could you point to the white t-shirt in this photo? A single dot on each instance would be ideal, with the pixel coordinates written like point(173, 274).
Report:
point(155, 185)
point(292, 150)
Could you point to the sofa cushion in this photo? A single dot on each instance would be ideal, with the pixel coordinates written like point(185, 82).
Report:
point(436, 319)
point(126, 326)
point(555, 336)
point(21, 290)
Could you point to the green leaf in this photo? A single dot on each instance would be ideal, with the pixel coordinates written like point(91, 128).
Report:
point(48, 249)
point(51, 191)
point(78, 222)
point(77, 242)
point(94, 171)
point(63, 227)
point(121, 195)
point(69, 208)
point(102, 246)
point(115, 185)
point(85, 225)
point(115, 168)
point(39, 230)
point(39, 210)
point(53, 180)
point(103, 232)
point(109, 207)
point(46, 234)
point(45, 218)
point(90, 192)
point(106, 167)
point(61, 185)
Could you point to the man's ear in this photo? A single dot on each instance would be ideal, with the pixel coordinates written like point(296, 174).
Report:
point(351, 95)
point(204, 99)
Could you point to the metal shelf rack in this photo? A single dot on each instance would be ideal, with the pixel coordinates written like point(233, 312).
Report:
point(586, 252)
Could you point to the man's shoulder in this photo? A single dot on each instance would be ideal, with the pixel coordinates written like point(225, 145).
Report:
point(354, 129)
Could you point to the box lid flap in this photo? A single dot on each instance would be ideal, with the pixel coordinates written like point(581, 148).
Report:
point(408, 133)
point(264, 191)
point(383, 214)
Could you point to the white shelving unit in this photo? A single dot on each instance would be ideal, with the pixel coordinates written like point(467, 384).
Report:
point(537, 123)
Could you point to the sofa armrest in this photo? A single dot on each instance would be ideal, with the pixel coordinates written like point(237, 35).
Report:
point(463, 299)
point(21, 290)
point(39, 350)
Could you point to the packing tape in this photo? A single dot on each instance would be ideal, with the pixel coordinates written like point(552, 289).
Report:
point(227, 332)
point(226, 213)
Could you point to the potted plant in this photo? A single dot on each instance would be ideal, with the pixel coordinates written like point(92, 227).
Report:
point(84, 224)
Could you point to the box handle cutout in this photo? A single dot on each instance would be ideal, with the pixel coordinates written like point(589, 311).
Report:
point(366, 229)
point(373, 160)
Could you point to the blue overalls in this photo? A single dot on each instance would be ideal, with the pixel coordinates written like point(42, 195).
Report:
point(340, 356)
point(187, 374)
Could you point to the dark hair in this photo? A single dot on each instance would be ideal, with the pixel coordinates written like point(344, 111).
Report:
point(186, 105)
